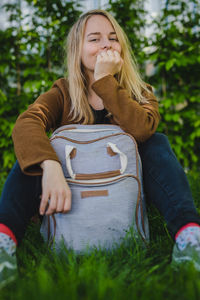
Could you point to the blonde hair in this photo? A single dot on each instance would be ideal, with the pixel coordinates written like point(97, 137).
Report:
point(129, 77)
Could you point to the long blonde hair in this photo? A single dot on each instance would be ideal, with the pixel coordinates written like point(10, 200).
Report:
point(129, 77)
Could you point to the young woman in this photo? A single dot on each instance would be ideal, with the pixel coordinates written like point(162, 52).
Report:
point(103, 85)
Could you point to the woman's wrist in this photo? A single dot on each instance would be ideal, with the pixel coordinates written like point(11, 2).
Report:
point(49, 162)
point(97, 77)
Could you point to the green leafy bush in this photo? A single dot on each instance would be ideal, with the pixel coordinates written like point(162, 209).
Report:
point(176, 57)
point(31, 59)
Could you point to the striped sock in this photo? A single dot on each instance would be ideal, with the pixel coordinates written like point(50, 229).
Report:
point(187, 234)
point(8, 241)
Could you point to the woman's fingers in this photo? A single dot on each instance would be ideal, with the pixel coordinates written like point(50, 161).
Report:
point(107, 55)
point(110, 54)
point(55, 190)
point(108, 62)
point(52, 205)
point(60, 204)
point(64, 202)
point(67, 205)
point(44, 203)
point(56, 203)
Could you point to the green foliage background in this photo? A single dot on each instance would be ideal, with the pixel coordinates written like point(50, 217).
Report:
point(31, 58)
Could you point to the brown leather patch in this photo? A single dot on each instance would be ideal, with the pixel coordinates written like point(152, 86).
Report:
point(97, 175)
point(110, 151)
point(98, 193)
point(73, 153)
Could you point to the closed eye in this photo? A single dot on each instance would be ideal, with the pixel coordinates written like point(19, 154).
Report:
point(111, 39)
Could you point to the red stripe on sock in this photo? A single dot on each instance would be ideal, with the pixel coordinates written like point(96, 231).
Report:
point(186, 226)
point(8, 231)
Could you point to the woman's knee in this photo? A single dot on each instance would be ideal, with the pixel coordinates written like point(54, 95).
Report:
point(156, 146)
point(158, 140)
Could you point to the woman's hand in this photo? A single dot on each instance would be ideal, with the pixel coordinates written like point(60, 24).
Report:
point(108, 62)
point(56, 194)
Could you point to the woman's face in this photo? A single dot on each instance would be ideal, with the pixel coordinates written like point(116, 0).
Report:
point(99, 36)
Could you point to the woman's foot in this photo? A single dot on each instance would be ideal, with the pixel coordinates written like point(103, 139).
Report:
point(8, 268)
point(187, 246)
point(8, 260)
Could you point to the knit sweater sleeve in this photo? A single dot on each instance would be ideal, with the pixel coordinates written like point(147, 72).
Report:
point(31, 143)
point(139, 120)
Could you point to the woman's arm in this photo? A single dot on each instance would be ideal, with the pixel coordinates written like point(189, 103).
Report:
point(35, 154)
point(31, 143)
point(140, 120)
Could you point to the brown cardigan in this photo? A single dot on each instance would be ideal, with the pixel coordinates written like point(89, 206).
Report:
point(51, 110)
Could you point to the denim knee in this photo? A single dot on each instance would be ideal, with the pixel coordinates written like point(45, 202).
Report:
point(156, 147)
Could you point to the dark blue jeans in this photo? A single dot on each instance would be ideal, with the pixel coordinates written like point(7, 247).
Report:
point(165, 184)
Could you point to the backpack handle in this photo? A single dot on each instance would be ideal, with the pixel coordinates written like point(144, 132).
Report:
point(115, 149)
point(68, 150)
point(123, 157)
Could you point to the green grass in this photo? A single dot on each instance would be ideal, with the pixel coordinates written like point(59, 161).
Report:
point(129, 272)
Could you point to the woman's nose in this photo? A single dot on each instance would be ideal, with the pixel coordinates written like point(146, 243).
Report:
point(106, 44)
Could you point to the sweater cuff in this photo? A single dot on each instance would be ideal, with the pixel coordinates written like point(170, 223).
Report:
point(33, 168)
point(100, 83)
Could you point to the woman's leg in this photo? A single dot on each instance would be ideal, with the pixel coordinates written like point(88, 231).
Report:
point(19, 201)
point(165, 183)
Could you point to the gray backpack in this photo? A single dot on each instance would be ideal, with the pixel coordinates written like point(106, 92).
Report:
point(103, 170)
